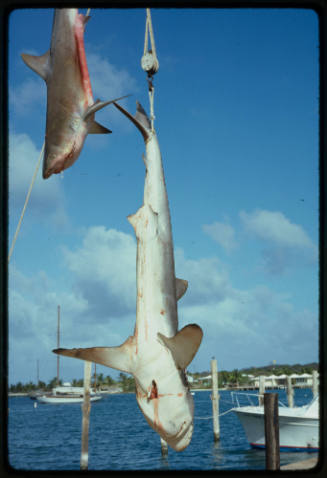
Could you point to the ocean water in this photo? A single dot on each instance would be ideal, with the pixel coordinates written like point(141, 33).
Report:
point(49, 437)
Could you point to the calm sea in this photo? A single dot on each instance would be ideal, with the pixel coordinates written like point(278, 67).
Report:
point(49, 437)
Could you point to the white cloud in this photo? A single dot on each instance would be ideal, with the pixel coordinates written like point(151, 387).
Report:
point(275, 227)
point(104, 272)
point(222, 233)
point(47, 197)
point(286, 244)
point(108, 82)
point(27, 95)
point(241, 326)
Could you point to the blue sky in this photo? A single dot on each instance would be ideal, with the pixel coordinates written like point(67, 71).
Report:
point(236, 105)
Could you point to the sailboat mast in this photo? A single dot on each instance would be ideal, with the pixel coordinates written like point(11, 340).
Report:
point(58, 343)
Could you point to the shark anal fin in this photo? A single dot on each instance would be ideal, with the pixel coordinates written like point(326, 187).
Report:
point(39, 64)
point(181, 287)
point(96, 128)
point(120, 358)
point(184, 345)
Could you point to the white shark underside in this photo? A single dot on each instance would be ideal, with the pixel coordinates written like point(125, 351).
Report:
point(70, 104)
point(157, 354)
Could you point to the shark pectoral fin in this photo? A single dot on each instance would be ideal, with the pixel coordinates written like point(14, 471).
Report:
point(181, 287)
point(97, 128)
point(39, 64)
point(184, 345)
point(98, 105)
point(136, 120)
point(120, 358)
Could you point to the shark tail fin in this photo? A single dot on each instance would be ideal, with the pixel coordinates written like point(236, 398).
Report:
point(184, 345)
point(39, 64)
point(98, 105)
point(140, 120)
point(120, 358)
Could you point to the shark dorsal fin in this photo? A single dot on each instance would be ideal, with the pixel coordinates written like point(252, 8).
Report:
point(184, 345)
point(181, 287)
point(144, 221)
point(39, 64)
point(119, 358)
point(139, 120)
point(97, 128)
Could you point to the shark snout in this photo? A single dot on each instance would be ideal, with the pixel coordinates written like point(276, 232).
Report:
point(171, 416)
point(182, 438)
point(55, 162)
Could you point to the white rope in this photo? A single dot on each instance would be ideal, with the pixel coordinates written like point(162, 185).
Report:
point(151, 98)
point(26, 201)
point(149, 30)
point(208, 418)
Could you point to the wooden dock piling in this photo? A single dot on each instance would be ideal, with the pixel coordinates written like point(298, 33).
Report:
point(315, 383)
point(262, 387)
point(290, 392)
point(86, 416)
point(215, 400)
point(270, 401)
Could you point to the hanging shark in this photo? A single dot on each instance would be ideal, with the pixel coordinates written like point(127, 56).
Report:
point(70, 104)
point(157, 354)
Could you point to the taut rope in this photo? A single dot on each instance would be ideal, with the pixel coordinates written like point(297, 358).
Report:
point(26, 201)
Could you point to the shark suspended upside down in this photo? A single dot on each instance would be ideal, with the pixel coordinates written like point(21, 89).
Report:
point(70, 104)
point(157, 354)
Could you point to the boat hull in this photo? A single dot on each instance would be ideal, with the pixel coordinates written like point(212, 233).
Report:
point(295, 433)
point(63, 400)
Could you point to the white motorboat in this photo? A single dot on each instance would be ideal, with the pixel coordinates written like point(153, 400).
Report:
point(298, 426)
point(67, 394)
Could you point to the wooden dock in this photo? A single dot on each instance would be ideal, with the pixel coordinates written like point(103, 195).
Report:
point(301, 465)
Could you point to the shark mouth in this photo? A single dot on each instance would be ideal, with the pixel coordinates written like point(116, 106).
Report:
point(60, 163)
point(182, 438)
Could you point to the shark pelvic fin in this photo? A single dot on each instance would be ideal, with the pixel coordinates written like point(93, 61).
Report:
point(98, 105)
point(138, 120)
point(39, 64)
point(184, 345)
point(97, 128)
point(181, 287)
point(120, 358)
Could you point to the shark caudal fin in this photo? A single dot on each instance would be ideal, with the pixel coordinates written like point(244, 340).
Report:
point(39, 64)
point(184, 345)
point(98, 105)
point(140, 120)
point(120, 358)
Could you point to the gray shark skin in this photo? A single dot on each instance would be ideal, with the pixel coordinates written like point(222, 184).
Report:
point(70, 104)
point(157, 354)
